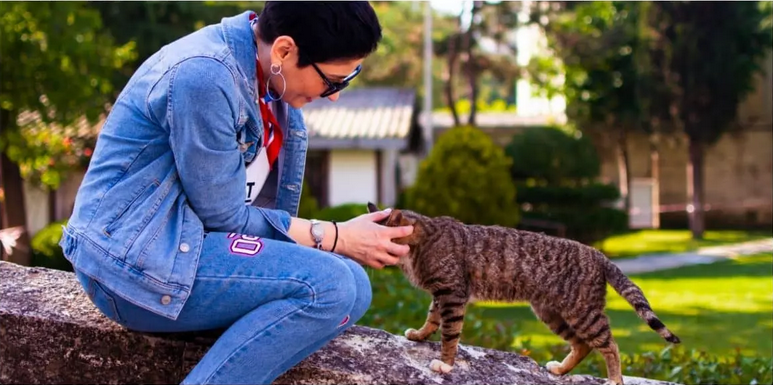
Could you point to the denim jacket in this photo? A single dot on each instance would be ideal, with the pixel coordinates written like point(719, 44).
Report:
point(167, 168)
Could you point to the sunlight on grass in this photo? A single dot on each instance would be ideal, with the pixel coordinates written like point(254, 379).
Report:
point(670, 241)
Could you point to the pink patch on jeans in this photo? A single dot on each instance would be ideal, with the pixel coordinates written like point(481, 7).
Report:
point(346, 319)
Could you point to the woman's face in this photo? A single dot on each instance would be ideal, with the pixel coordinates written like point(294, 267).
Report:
point(308, 83)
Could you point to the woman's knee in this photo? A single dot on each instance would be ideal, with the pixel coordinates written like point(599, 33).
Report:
point(363, 290)
point(336, 294)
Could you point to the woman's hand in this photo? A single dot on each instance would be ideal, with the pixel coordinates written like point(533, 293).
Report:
point(370, 243)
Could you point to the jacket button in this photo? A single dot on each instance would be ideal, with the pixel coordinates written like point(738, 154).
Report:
point(184, 247)
point(166, 300)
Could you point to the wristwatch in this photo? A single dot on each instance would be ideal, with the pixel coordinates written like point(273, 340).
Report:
point(317, 232)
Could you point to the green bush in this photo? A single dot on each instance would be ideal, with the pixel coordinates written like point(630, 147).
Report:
point(342, 213)
point(586, 224)
point(554, 171)
point(593, 194)
point(675, 364)
point(46, 251)
point(553, 156)
point(583, 210)
point(466, 176)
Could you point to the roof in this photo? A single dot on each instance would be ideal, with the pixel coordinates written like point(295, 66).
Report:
point(372, 117)
point(488, 119)
point(81, 129)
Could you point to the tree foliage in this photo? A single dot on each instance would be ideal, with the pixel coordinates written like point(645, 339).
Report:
point(57, 67)
point(56, 61)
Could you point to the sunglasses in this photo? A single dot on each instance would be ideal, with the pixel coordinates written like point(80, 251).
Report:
point(333, 87)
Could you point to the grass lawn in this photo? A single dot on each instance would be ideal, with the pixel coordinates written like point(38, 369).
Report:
point(671, 241)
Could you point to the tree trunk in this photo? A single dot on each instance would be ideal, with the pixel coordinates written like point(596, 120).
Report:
point(13, 209)
point(695, 189)
point(449, 86)
point(624, 169)
point(472, 77)
point(655, 175)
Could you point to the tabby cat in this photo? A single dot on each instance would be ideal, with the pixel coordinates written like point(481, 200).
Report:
point(563, 280)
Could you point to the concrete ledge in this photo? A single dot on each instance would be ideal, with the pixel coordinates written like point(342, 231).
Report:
point(51, 333)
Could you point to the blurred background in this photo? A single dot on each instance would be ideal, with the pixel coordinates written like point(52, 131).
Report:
point(641, 128)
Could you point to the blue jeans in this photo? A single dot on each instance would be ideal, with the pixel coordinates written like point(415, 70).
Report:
point(279, 301)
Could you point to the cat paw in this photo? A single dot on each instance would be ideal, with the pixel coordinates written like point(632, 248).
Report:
point(610, 382)
point(554, 367)
point(412, 334)
point(440, 366)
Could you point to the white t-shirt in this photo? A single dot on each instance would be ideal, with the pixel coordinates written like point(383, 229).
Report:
point(257, 173)
point(258, 170)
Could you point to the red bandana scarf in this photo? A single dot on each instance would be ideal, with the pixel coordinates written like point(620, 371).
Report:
point(272, 138)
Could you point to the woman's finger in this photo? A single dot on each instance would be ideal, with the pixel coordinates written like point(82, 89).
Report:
point(388, 260)
point(396, 250)
point(377, 215)
point(399, 231)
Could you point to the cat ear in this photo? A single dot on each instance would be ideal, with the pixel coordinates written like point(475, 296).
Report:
point(396, 217)
point(372, 208)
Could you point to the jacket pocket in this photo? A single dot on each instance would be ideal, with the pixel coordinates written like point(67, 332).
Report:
point(136, 197)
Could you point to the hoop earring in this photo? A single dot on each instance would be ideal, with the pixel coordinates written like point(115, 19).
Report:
point(276, 70)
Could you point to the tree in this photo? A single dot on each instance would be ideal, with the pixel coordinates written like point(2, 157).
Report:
point(484, 54)
point(57, 63)
point(720, 48)
point(603, 49)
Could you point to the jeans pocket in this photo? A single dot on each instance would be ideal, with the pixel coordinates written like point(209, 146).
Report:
point(103, 300)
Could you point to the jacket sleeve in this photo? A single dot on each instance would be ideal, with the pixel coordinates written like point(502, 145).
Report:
point(203, 108)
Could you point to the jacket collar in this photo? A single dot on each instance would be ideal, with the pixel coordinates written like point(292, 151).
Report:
point(241, 41)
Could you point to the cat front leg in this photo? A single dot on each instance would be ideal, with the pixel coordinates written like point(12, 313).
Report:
point(430, 325)
point(452, 310)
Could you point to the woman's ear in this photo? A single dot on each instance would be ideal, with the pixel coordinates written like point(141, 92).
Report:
point(283, 49)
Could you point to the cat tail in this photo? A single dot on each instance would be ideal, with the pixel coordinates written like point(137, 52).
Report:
point(633, 294)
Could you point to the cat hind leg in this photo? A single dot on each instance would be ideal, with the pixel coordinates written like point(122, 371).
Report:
point(558, 326)
point(597, 334)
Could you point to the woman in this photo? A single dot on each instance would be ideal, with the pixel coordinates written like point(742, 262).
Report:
point(185, 219)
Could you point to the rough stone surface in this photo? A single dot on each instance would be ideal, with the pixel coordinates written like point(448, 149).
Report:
point(51, 333)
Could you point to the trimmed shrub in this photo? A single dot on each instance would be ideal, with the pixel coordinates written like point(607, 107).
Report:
point(552, 156)
point(466, 176)
point(554, 171)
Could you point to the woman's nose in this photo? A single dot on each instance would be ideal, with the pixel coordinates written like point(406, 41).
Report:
point(334, 97)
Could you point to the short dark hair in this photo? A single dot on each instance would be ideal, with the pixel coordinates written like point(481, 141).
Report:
point(323, 31)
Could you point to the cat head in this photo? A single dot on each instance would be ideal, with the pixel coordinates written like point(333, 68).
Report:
point(402, 218)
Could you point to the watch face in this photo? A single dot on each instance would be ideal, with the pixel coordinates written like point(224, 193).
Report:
point(316, 229)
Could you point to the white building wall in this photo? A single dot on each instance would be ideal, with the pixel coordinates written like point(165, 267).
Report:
point(353, 177)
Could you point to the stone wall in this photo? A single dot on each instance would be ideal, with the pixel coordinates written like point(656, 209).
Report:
point(51, 333)
point(738, 175)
